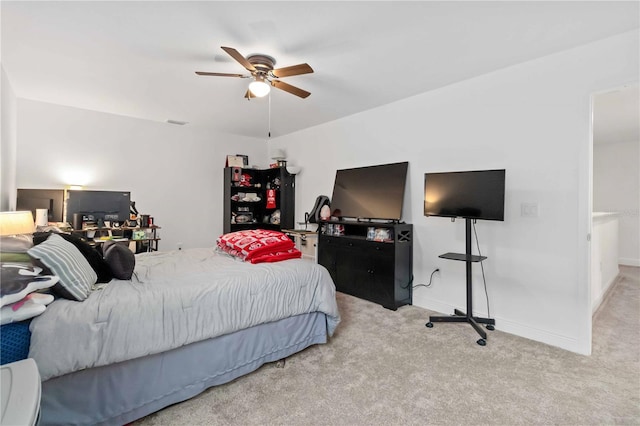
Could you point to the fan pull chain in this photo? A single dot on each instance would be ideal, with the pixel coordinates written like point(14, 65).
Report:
point(269, 115)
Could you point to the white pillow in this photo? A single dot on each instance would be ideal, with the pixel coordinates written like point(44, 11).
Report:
point(77, 277)
point(15, 243)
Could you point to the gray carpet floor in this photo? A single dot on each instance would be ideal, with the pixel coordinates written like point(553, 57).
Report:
point(386, 368)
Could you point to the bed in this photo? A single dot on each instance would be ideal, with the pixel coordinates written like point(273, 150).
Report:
point(186, 320)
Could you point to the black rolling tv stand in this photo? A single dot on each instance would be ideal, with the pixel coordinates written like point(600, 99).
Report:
point(458, 315)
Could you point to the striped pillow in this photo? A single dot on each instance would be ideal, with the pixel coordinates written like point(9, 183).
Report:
point(64, 260)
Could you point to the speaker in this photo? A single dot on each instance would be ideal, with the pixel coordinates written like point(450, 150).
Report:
point(77, 221)
point(236, 174)
point(42, 217)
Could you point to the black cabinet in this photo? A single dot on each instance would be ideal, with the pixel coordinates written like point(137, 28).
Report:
point(378, 271)
point(246, 204)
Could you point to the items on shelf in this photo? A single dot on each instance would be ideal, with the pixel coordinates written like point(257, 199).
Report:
point(143, 239)
point(258, 198)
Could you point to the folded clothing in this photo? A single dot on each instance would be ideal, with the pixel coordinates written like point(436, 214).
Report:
point(18, 280)
point(37, 298)
point(293, 253)
point(15, 339)
point(26, 310)
point(254, 243)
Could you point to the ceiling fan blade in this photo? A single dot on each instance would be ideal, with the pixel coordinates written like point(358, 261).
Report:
point(292, 70)
point(221, 74)
point(249, 94)
point(238, 57)
point(289, 88)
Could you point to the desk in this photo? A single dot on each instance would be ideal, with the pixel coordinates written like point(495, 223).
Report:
point(145, 242)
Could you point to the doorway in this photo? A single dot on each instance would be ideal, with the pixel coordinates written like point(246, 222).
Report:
point(614, 192)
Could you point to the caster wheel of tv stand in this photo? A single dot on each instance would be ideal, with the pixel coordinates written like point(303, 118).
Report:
point(429, 324)
point(482, 342)
point(490, 327)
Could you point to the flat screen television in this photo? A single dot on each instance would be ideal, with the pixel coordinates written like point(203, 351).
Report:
point(50, 199)
point(96, 205)
point(475, 194)
point(374, 192)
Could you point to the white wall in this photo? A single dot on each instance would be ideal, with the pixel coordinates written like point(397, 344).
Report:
point(174, 173)
point(604, 256)
point(8, 143)
point(532, 119)
point(616, 188)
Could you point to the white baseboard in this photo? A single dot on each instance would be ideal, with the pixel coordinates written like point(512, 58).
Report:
point(605, 295)
point(516, 328)
point(544, 336)
point(628, 261)
point(436, 306)
point(595, 304)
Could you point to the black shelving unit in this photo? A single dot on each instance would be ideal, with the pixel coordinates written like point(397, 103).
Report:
point(378, 271)
point(259, 216)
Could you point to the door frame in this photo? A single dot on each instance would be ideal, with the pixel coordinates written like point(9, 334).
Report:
point(585, 220)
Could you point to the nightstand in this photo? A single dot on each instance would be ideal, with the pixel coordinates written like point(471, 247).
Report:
point(20, 393)
point(306, 242)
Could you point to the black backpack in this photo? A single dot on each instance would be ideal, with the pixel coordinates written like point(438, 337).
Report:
point(314, 215)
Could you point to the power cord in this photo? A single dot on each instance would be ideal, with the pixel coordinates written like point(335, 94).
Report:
point(430, 279)
point(408, 284)
point(486, 294)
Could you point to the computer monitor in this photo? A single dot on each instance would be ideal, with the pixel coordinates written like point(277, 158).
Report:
point(50, 199)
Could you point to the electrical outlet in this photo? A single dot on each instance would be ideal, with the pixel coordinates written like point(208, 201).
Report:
point(529, 210)
point(179, 245)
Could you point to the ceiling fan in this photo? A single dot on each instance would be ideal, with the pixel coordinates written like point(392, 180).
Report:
point(263, 74)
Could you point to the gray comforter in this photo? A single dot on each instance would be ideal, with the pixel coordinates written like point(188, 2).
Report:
point(173, 299)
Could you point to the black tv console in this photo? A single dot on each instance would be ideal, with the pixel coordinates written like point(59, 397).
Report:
point(458, 315)
point(378, 271)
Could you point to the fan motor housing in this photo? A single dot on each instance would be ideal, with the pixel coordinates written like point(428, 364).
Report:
point(262, 62)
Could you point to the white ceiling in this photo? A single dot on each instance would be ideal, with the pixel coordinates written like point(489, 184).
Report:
point(138, 58)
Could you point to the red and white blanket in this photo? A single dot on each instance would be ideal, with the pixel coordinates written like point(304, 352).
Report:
point(259, 245)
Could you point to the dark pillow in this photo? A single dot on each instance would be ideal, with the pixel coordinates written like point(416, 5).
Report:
point(121, 260)
point(98, 264)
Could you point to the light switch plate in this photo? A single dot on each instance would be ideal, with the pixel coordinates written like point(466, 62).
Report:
point(529, 210)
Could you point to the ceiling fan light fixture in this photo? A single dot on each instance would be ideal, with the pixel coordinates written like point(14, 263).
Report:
point(259, 88)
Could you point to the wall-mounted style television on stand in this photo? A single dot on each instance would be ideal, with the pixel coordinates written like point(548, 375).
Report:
point(477, 194)
point(471, 195)
point(370, 193)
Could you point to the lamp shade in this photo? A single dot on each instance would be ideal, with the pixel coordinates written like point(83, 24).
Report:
point(278, 154)
point(16, 223)
point(259, 88)
point(294, 170)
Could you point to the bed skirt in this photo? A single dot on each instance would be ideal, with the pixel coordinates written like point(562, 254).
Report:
point(121, 393)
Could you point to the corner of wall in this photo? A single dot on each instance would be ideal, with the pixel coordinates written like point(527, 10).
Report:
point(8, 144)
